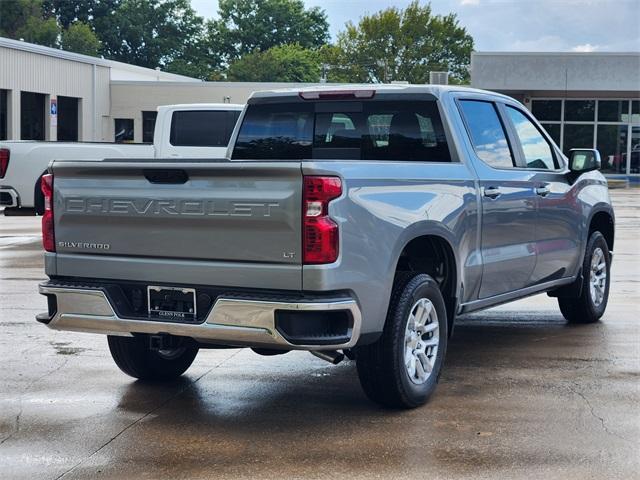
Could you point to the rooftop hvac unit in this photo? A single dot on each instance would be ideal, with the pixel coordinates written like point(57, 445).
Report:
point(439, 78)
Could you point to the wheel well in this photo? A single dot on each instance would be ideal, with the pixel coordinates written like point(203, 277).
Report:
point(38, 196)
point(434, 256)
point(603, 222)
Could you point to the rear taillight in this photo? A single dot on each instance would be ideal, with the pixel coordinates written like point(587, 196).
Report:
point(4, 161)
point(320, 233)
point(48, 238)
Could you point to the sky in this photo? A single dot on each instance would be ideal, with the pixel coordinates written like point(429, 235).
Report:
point(510, 25)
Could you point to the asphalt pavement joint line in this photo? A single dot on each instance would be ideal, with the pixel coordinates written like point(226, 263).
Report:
point(150, 412)
point(594, 414)
point(16, 429)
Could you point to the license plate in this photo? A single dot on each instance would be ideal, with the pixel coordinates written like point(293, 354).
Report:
point(172, 303)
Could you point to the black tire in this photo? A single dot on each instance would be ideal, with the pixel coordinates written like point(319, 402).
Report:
point(381, 365)
point(585, 309)
point(134, 357)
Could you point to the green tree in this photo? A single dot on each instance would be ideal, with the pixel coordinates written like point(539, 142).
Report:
point(14, 15)
point(245, 26)
point(43, 31)
point(79, 38)
point(150, 33)
point(95, 13)
point(194, 61)
point(283, 63)
point(25, 19)
point(396, 44)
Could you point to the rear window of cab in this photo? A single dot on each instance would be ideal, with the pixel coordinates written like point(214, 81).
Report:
point(349, 130)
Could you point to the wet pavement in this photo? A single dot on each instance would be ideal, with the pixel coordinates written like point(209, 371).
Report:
point(523, 395)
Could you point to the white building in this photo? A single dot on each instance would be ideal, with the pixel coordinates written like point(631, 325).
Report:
point(93, 99)
point(582, 99)
point(36, 80)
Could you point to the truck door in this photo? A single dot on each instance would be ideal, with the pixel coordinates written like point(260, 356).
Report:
point(559, 220)
point(508, 201)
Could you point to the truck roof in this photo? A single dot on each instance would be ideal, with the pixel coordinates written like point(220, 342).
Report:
point(202, 106)
point(435, 90)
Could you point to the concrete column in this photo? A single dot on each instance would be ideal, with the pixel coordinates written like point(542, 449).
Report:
point(13, 115)
point(81, 125)
point(50, 126)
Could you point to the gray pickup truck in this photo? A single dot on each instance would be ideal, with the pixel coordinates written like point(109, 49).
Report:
point(345, 221)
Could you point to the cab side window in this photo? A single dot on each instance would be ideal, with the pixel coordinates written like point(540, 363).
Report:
point(537, 151)
point(487, 133)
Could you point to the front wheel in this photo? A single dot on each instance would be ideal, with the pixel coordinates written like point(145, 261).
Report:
point(401, 369)
point(596, 277)
point(134, 357)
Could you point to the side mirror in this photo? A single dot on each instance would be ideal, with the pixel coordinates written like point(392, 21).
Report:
point(584, 160)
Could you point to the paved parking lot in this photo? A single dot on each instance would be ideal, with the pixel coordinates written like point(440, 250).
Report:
point(522, 395)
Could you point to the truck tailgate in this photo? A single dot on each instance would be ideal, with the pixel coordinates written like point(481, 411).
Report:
point(179, 215)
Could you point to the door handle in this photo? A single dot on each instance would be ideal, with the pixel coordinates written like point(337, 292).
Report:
point(491, 192)
point(168, 177)
point(543, 191)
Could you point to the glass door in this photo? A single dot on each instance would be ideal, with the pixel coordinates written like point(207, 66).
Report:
point(634, 150)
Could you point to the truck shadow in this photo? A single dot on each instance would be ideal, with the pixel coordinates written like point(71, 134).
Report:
point(250, 390)
point(296, 411)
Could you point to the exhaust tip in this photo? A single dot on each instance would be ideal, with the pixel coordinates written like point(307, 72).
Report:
point(332, 356)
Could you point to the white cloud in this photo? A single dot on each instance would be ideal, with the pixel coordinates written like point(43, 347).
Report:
point(586, 47)
point(469, 2)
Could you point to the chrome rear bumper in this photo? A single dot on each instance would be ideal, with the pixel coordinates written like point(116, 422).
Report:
point(231, 321)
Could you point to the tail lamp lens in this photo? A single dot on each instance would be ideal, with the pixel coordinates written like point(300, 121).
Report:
point(48, 238)
point(4, 161)
point(320, 236)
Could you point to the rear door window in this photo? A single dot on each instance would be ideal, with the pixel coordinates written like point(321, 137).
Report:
point(202, 128)
point(374, 130)
point(487, 133)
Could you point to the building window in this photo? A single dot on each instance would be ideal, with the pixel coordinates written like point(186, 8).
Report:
point(123, 130)
point(553, 129)
point(32, 116)
point(148, 125)
point(612, 144)
point(550, 110)
point(577, 136)
point(606, 123)
point(4, 113)
point(613, 111)
point(579, 110)
point(67, 119)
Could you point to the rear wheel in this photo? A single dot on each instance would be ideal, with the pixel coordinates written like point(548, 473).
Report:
point(594, 295)
point(134, 357)
point(401, 369)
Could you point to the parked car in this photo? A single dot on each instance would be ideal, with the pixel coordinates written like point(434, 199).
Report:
point(185, 131)
point(359, 222)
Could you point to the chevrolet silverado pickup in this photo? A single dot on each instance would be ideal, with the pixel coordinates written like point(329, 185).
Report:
point(350, 221)
point(191, 131)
